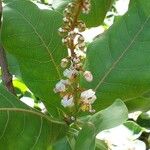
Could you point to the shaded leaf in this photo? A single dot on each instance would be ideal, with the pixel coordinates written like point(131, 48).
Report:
point(101, 145)
point(23, 128)
point(134, 127)
point(144, 120)
point(86, 138)
point(110, 117)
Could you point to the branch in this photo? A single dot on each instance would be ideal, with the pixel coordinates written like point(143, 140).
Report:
point(6, 76)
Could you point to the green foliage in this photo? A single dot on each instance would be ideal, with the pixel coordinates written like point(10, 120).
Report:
point(119, 60)
point(86, 136)
point(23, 128)
point(144, 120)
point(34, 41)
point(134, 127)
point(101, 121)
point(101, 145)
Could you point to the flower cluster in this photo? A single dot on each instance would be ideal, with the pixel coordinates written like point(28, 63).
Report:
point(69, 88)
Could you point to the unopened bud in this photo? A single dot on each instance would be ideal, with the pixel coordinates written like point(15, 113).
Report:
point(64, 40)
point(81, 26)
point(64, 63)
point(88, 76)
point(80, 39)
point(66, 20)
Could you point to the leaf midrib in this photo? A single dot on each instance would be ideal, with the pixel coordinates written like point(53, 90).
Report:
point(21, 110)
point(121, 55)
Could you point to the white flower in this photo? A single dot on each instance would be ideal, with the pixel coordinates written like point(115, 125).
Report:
point(88, 76)
point(61, 86)
point(69, 73)
point(67, 101)
point(88, 96)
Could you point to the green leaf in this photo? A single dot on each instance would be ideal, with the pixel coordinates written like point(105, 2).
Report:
point(86, 138)
point(101, 145)
point(110, 117)
point(97, 14)
point(62, 144)
point(134, 127)
point(23, 128)
point(119, 60)
point(30, 35)
point(100, 121)
point(144, 120)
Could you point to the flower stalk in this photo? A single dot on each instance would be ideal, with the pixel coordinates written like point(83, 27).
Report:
point(75, 97)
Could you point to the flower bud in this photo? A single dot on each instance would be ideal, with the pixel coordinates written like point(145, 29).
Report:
point(81, 26)
point(64, 63)
point(61, 31)
point(80, 39)
point(81, 46)
point(64, 40)
point(66, 12)
point(71, 6)
point(88, 76)
point(66, 20)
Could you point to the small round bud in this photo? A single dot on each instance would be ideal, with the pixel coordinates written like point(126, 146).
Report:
point(72, 118)
point(64, 40)
point(61, 31)
point(64, 63)
point(81, 26)
point(71, 6)
point(80, 39)
point(66, 12)
point(72, 34)
point(81, 45)
point(66, 20)
point(88, 76)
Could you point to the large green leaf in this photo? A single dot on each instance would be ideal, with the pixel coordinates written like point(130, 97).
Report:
point(100, 121)
point(120, 60)
point(23, 128)
point(101, 145)
point(97, 14)
point(110, 117)
point(30, 34)
point(86, 138)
